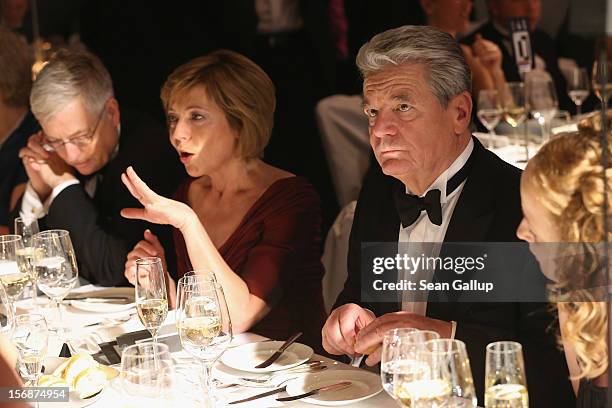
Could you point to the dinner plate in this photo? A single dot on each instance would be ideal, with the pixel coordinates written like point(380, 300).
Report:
point(51, 363)
point(364, 384)
point(104, 307)
point(247, 356)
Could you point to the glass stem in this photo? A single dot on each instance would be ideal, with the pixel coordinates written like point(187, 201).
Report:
point(206, 378)
point(579, 109)
point(60, 322)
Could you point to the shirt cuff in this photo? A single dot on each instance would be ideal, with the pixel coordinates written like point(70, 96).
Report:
point(31, 206)
point(453, 329)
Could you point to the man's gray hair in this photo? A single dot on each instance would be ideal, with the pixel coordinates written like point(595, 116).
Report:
point(438, 52)
point(67, 76)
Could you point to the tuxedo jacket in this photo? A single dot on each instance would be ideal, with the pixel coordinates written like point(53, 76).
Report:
point(543, 45)
point(488, 210)
point(101, 237)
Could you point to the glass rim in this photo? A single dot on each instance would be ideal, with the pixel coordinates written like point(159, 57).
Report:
point(457, 346)
point(508, 347)
point(157, 348)
point(8, 238)
point(148, 260)
point(27, 316)
point(52, 233)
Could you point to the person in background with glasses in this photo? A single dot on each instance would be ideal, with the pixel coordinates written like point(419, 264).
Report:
point(74, 164)
point(562, 195)
point(16, 121)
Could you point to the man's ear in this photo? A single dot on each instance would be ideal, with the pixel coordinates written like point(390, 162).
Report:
point(461, 110)
point(113, 107)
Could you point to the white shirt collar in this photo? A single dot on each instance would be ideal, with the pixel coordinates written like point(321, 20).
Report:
point(442, 180)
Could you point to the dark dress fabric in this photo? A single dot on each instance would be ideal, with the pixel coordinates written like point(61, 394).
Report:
point(591, 396)
point(275, 250)
point(12, 171)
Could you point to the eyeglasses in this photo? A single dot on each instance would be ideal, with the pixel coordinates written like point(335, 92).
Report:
point(79, 141)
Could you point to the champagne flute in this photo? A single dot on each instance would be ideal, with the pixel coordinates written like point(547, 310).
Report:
point(31, 337)
point(151, 295)
point(147, 374)
point(489, 111)
point(56, 268)
point(542, 100)
point(505, 381)
point(27, 228)
point(578, 87)
point(450, 382)
point(13, 271)
point(203, 323)
point(602, 73)
point(400, 363)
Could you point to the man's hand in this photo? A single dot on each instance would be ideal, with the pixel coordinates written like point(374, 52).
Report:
point(488, 53)
point(341, 328)
point(45, 170)
point(370, 337)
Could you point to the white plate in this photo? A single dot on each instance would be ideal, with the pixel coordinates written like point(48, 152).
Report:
point(364, 384)
point(247, 356)
point(51, 363)
point(102, 307)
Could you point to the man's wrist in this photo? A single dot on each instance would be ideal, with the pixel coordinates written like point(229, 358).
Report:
point(62, 179)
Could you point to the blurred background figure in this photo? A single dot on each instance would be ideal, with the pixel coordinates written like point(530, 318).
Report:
point(16, 120)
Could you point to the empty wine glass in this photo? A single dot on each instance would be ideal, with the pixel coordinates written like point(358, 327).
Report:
point(400, 362)
point(542, 100)
point(13, 271)
point(147, 374)
point(602, 72)
point(151, 295)
point(203, 324)
point(505, 382)
point(489, 111)
point(56, 268)
point(27, 227)
point(578, 87)
point(31, 337)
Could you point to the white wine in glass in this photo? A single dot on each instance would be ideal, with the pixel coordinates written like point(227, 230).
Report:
point(602, 72)
point(505, 382)
point(31, 337)
point(578, 87)
point(151, 296)
point(27, 228)
point(13, 271)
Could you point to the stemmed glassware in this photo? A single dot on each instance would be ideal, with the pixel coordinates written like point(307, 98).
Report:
point(542, 100)
point(489, 111)
point(151, 295)
point(147, 374)
point(203, 323)
point(602, 71)
point(7, 315)
point(13, 271)
point(27, 228)
point(505, 381)
point(56, 268)
point(401, 364)
point(515, 112)
point(578, 87)
point(31, 337)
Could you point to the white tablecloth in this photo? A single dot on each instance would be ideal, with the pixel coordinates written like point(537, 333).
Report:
point(112, 397)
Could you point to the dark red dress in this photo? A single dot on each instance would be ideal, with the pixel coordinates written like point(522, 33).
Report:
point(276, 250)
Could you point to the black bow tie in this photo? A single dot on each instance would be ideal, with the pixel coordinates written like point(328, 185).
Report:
point(409, 207)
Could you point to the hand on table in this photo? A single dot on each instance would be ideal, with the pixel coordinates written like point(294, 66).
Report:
point(369, 339)
point(340, 330)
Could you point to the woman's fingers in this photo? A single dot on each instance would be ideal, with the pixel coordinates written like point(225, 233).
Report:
point(134, 213)
point(145, 193)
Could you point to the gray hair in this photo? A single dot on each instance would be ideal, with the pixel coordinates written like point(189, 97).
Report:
point(15, 69)
point(447, 71)
point(67, 76)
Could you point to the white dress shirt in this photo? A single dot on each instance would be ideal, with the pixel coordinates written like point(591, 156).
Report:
point(424, 231)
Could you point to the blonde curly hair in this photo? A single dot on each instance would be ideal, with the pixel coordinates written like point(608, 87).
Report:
point(568, 171)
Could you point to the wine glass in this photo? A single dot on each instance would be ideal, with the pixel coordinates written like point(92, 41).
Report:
point(203, 324)
point(542, 100)
point(13, 271)
point(515, 112)
point(31, 337)
point(505, 381)
point(450, 382)
point(151, 295)
point(56, 268)
point(602, 73)
point(147, 374)
point(27, 228)
point(578, 87)
point(400, 363)
point(489, 111)
point(7, 315)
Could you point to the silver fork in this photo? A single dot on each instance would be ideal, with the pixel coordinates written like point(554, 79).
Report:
point(272, 377)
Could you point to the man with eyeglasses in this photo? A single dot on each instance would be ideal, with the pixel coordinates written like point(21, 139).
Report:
point(75, 163)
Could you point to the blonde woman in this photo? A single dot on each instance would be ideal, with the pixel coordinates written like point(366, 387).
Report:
point(562, 195)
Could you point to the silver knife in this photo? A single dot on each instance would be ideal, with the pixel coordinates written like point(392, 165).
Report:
point(101, 299)
point(333, 387)
point(280, 351)
point(262, 395)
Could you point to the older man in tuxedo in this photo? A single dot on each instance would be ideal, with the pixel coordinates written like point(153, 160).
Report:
point(435, 183)
point(74, 164)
